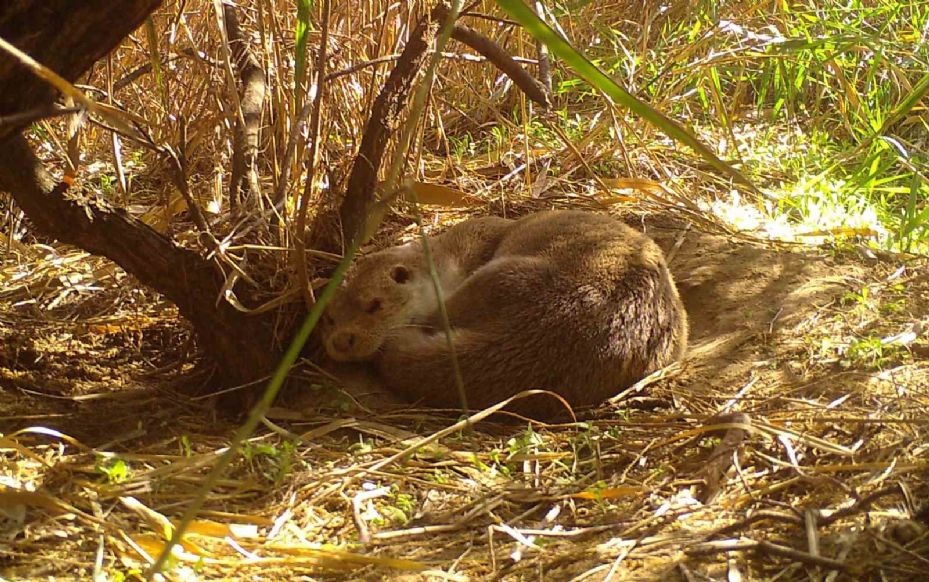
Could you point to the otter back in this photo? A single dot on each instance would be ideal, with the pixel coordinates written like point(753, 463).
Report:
point(572, 302)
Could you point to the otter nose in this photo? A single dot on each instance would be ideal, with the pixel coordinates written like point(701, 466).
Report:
point(343, 341)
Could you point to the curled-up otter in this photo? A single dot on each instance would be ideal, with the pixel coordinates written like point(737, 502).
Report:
point(568, 301)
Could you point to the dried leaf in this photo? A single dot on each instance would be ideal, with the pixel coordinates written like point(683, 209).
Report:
point(608, 493)
point(11, 498)
point(440, 195)
point(641, 184)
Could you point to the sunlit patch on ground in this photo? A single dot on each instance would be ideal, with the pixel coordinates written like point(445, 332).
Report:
point(804, 216)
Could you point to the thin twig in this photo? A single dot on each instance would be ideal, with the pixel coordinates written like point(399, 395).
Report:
point(303, 275)
point(765, 547)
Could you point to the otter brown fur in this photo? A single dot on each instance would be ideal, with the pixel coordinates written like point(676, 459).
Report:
point(569, 301)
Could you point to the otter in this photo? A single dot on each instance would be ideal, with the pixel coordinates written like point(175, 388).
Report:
point(569, 301)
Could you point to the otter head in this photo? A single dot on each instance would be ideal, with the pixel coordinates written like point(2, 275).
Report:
point(382, 292)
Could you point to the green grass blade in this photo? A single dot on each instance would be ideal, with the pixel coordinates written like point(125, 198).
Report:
point(597, 78)
point(300, 36)
point(373, 220)
point(259, 410)
point(907, 103)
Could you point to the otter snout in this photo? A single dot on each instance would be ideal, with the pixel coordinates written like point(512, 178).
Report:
point(351, 343)
point(342, 344)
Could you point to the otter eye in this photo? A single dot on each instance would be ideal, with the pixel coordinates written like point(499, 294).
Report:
point(374, 306)
point(400, 274)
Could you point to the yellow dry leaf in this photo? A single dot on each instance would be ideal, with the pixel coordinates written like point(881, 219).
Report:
point(840, 231)
point(212, 529)
point(336, 556)
point(609, 200)
point(158, 217)
point(153, 545)
point(12, 497)
point(609, 493)
point(104, 328)
point(440, 195)
point(641, 184)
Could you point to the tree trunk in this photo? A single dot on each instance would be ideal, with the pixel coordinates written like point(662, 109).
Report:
point(68, 36)
point(238, 343)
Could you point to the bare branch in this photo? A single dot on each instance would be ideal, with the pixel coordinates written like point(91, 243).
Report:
point(184, 277)
point(503, 61)
point(244, 181)
point(385, 118)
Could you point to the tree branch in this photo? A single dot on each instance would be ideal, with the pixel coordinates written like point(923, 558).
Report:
point(244, 181)
point(37, 27)
point(181, 275)
point(361, 190)
point(503, 61)
point(385, 118)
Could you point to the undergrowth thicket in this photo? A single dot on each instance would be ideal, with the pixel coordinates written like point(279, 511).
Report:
point(823, 105)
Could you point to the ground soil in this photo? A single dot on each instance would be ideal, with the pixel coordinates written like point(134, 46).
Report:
point(780, 333)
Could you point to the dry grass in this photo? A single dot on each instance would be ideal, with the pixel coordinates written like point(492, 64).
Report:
point(100, 448)
point(108, 460)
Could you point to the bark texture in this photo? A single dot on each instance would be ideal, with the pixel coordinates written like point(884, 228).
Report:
point(238, 343)
point(68, 36)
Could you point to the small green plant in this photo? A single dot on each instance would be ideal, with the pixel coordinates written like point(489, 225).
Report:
point(463, 146)
point(897, 303)
point(498, 140)
point(405, 503)
point(586, 444)
point(136, 158)
point(106, 183)
point(439, 476)
point(598, 488)
point(363, 446)
point(529, 441)
point(860, 299)
point(113, 468)
point(572, 125)
point(393, 515)
point(624, 414)
point(398, 511)
point(499, 463)
point(869, 352)
point(120, 576)
point(541, 134)
point(273, 463)
point(616, 432)
point(894, 306)
point(340, 400)
point(709, 442)
point(186, 449)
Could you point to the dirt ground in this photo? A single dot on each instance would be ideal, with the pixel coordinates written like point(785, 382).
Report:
point(815, 356)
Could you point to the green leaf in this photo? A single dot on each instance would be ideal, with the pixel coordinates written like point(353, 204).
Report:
point(597, 78)
point(907, 103)
point(300, 36)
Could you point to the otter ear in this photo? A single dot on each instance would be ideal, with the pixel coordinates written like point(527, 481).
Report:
point(400, 274)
